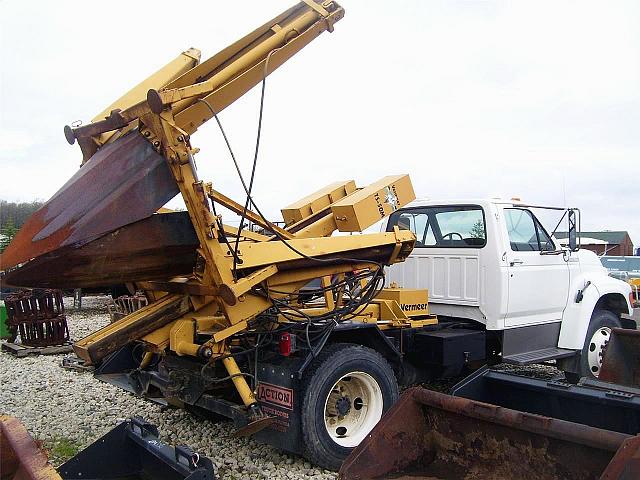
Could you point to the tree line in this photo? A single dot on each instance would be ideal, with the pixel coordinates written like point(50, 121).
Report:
point(12, 217)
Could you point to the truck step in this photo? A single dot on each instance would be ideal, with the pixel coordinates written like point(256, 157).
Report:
point(536, 356)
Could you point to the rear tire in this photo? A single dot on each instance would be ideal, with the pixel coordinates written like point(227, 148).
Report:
point(598, 334)
point(346, 391)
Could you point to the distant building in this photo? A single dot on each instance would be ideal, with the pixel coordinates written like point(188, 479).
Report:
point(603, 243)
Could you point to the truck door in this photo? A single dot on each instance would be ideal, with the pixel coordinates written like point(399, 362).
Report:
point(538, 279)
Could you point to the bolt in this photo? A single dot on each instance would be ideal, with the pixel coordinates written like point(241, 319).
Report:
point(147, 133)
point(180, 138)
point(156, 144)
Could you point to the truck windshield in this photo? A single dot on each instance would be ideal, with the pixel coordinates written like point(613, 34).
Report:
point(459, 226)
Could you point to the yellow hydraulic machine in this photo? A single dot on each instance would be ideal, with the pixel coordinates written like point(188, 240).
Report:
point(219, 294)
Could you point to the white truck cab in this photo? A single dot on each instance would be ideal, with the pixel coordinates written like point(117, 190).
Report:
point(493, 262)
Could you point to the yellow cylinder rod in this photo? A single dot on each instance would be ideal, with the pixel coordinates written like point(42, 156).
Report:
point(146, 360)
point(239, 381)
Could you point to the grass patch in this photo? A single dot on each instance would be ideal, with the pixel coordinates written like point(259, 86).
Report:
point(61, 449)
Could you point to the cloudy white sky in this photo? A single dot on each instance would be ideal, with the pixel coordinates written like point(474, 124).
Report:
point(539, 100)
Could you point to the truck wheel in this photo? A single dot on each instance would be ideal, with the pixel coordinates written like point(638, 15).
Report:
point(346, 391)
point(598, 334)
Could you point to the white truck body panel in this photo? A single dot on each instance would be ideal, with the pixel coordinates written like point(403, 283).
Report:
point(501, 286)
point(583, 268)
point(538, 285)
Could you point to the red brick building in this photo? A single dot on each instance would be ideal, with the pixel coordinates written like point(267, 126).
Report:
point(604, 243)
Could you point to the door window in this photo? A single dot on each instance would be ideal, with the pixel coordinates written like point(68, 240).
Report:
point(525, 232)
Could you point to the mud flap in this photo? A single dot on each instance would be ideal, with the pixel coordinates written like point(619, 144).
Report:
point(279, 396)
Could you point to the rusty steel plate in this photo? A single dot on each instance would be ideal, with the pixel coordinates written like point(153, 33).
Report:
point(20, 456)
point(431, 435)
point(621, 361)
point(158, 247)
point(122, 183)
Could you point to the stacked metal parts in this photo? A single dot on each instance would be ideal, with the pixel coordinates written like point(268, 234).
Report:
point(38, 316)
point(125, 305)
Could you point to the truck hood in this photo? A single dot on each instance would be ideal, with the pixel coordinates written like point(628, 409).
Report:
point(589, 261)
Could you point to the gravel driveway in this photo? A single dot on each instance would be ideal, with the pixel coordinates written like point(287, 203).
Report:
point(71, 409)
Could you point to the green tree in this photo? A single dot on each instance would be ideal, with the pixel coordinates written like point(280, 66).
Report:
point(7, 233)
point(477, 230)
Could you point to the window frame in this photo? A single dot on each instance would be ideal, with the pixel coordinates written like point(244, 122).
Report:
point(537, 225)
point(430, 223)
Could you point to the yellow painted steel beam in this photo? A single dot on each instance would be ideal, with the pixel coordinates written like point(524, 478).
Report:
point(170, 72)
point(322, 226)
point(358, 211)
point(261, 254)
point(316, 202)
point(285, 40)
point(158, 340)
point(250, 215)
point(103, 125)
point(306, 274)
point(134, 326)
point(242, 286)
point(221, 79)
point(248, 234)
point(158, 100)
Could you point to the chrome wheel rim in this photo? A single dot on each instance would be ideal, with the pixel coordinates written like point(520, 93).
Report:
point(597, 345)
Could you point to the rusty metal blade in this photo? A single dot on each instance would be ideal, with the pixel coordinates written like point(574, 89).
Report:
point(123, 182)
point(20, 456)
point(427, 434)
point(158, 247)
point(625, 465)
point(621, 361)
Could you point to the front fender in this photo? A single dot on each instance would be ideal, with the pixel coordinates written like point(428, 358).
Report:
point(604, 291)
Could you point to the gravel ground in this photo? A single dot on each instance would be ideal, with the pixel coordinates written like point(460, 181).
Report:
point(68, 410)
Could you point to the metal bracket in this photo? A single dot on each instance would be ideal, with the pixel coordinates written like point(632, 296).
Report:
point(322, 11)
point(317, 7)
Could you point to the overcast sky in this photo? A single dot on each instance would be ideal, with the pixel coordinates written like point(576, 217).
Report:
point(539, 100)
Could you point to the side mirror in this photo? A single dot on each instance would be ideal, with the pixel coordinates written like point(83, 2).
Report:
point(573, 230)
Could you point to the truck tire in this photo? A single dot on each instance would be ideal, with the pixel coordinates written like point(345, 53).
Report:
point(598, 334)
point(346, 391)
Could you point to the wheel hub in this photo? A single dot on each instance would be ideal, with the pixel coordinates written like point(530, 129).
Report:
point(343, 406)
point(352, 408)
point(597, 346)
